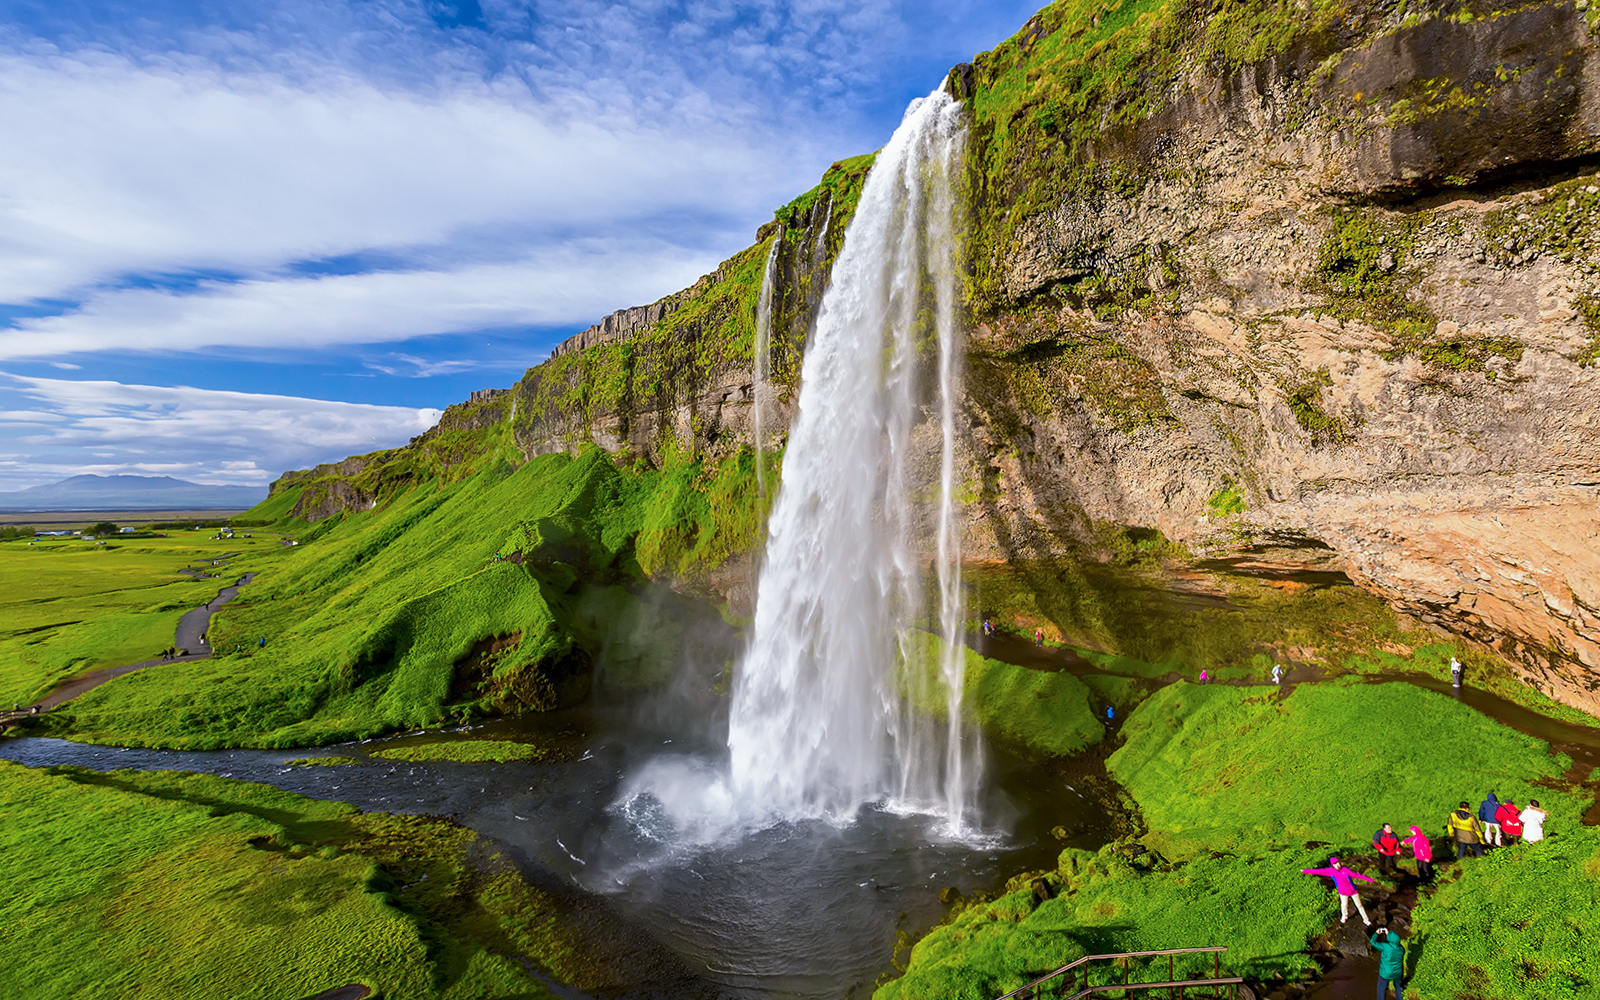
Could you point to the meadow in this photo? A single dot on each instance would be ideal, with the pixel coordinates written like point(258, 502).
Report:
point(72, 606)
point(176, 885)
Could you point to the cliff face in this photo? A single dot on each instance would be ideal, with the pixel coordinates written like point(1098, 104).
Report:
point(1324, 271)
point(1349, 288)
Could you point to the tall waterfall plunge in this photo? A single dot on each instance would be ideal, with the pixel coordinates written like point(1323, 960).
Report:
point(820, 723)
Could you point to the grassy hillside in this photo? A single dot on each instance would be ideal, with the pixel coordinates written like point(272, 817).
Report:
point(518, 577)
point(182, 885)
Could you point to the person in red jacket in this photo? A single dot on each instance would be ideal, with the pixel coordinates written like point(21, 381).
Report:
point(1510, 818)
point(1388, 847)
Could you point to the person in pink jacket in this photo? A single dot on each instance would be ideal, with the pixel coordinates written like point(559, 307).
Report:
point(1422, 850)
point(1344, 884)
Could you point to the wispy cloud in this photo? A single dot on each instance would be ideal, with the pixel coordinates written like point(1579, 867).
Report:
point(568, 285)
point(198, 434)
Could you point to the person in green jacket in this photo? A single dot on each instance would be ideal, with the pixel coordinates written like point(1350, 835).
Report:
point(1391, 962)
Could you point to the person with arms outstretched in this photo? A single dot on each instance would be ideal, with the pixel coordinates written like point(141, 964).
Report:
point(1344, 885)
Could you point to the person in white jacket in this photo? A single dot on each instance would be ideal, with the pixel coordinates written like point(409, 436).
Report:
point(1533, 822)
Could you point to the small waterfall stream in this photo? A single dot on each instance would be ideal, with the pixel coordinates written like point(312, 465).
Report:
point(760, 389)
point(820, 722)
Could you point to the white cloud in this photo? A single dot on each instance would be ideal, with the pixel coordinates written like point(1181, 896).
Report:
point(198, 434)
point(111, 167)
point(570, 285)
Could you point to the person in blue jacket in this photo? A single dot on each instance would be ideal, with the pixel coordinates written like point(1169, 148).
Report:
point(1488, 813)
point(1391, 962)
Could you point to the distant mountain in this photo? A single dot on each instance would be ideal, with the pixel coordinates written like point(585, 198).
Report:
point(131, 493)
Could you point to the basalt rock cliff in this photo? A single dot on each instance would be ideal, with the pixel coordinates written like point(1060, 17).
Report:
point(1321, 272)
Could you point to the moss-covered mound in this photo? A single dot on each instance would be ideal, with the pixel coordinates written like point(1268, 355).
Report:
point(1213, 766)
point(1049, 712)
point(1259, 905)
point(169, 884)
point(466, 752)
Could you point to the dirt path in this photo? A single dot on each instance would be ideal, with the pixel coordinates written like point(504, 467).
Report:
point(191, 627)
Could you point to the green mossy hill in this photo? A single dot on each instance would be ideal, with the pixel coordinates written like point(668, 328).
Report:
point(1519, 924)
point(1048, 712)
point(1214, 766)
point(492, 593)
point(1258, 904)
point(466, 752)
point(170, 884)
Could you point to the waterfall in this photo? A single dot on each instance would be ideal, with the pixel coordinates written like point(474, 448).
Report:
point(820, 246)
point(820, 723)
point(759, 390)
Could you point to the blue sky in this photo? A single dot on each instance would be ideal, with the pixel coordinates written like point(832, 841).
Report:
point(241, 237)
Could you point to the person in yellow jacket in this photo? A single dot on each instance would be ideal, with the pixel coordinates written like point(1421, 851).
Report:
point(1466, 830)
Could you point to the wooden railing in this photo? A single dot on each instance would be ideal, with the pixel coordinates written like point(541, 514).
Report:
point(1175, 987)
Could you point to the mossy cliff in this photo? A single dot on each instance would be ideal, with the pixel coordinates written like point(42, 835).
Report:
point(1314, 271)
point(1314, 283)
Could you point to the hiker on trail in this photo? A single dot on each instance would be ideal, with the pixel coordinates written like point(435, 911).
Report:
point(1422, 851)
point(1345, 886)
point(1455, 672)
point(1111, 714)
point(1205, 678)
point(1489, 814)
point(1466, 830)
point(1391, 962)
point(1533, 822)
point(262, 643)
point(1277, 673)
point(1038, 637)
point(1388, 845)
point(1509, 818)
point(988, 629)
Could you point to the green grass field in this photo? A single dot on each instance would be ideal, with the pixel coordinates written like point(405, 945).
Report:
point(181, 885)
point(1215, 767)
point(69, 607)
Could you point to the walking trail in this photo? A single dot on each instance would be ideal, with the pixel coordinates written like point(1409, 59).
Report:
point(191, 627)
